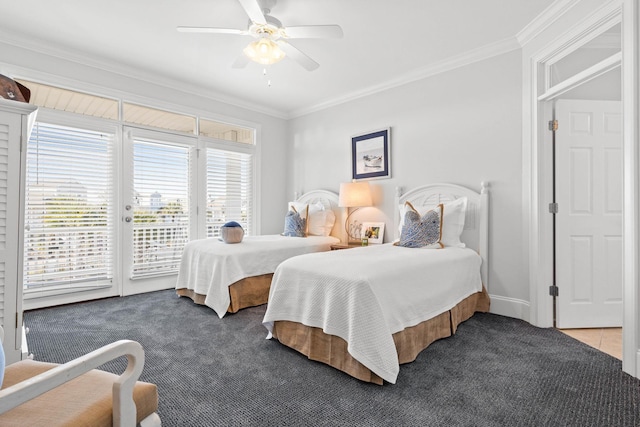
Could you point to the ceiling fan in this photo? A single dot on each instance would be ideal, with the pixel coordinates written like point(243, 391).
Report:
point(271, 44)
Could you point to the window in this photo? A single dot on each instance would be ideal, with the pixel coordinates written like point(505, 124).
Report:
point(69, 218)
point(229, 195)
point(151, 117)
point(226, 132)
point(161, 206)
point(115, 190)
point(72, 101)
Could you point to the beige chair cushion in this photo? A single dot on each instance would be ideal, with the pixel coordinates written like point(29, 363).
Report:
point(83, 401)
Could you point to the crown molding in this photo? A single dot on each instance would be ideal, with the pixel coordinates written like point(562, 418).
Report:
point(544, 20)
point(134, 73)
point(551, 14)
point(448, 64)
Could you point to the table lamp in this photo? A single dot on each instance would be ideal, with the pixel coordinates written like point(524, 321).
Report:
point(353, 195)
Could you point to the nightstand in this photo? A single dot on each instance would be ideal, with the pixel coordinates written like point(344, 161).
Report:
point(338, 246)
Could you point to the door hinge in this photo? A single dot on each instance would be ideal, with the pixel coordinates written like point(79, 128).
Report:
point(197, 153)
point(553, 208)
point(553, 290)
point(553, 125)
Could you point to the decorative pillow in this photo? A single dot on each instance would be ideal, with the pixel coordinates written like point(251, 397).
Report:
point(319, 220)
point(452, 221)
point(294, 224)
point(231, 232)
point(421, 232)
point(301, 207)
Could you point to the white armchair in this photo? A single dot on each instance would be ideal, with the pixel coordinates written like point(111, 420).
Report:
point(76, 393)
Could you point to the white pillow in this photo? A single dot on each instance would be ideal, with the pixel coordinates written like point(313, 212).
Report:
point(320, 221)
point(452, 221)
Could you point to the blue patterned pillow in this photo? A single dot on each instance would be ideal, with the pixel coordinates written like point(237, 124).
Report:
point(421, 232)
point(294, 224)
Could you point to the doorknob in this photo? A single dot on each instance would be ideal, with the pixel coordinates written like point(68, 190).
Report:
point(127, 219)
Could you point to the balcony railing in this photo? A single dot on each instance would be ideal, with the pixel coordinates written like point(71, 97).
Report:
point(75, 254)
point(157, 248)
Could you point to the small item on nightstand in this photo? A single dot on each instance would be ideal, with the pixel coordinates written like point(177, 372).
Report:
point(365, 241)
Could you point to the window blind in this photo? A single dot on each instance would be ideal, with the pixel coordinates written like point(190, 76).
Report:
point(161, 180)
point(69, 206)
point(229, 184)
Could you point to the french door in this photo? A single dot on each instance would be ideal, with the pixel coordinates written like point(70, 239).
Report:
point(157, 213)
point(104, 218)
point(110, 208)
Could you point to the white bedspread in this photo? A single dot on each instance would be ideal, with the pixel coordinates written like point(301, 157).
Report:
point(364, 295)
point(209, 266)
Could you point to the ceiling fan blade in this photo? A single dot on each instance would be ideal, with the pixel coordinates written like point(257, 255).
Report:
point(314, 32)
point(241, 61)
point(211, 30)
point(254, 11)
point(297, 55)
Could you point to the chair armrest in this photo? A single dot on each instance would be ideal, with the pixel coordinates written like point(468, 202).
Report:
point(124, 408)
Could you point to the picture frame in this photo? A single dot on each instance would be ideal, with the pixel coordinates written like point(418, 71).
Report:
point(374, 231)
point(370, 155)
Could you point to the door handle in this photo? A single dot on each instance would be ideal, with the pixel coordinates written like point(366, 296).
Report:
point(127, 219)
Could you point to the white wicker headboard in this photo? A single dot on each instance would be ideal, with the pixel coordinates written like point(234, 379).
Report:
point(330, 201)
point(476, 226)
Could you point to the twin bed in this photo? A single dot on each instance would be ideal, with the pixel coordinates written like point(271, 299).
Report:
point(367, 310)
point(230, 277)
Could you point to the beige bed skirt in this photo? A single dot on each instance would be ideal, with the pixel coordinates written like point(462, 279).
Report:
point(332, 350)
point(247, 292)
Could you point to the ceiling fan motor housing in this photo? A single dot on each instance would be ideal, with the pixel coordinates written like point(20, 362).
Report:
point(272, 29)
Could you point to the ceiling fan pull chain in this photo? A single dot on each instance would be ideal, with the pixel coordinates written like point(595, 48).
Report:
point(264, 75)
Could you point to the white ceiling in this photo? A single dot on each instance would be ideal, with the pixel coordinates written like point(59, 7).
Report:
point(384, 42)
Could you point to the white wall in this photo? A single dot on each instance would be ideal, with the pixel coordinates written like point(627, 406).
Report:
point(23, 63)
point(462, 126)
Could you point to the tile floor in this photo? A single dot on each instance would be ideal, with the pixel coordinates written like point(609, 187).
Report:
point(608, 340)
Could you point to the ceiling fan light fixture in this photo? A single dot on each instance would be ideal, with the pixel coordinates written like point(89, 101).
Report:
point(264, 51)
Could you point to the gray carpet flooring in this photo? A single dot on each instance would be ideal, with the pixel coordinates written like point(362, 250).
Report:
point(496, 371)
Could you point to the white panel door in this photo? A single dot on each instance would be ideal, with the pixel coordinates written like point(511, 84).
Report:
point(589, 219)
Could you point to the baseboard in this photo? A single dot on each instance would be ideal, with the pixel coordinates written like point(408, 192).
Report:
point(24, 348)
point(510, 307)
point(636, 372)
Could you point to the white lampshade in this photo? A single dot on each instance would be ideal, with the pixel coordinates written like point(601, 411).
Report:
point(354, 194)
